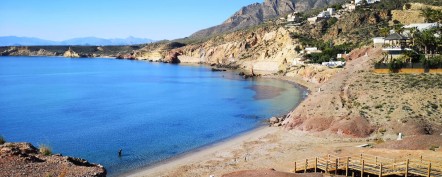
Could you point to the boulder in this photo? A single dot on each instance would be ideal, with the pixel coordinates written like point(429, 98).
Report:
point(273, 120)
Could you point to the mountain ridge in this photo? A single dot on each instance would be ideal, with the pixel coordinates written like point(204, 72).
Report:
point(257, 13)
point(83, 41)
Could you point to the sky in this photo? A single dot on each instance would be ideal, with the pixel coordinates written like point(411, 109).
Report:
point(154, 19)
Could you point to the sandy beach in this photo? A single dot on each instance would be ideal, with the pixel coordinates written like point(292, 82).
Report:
point(270, 148)
point(263, 148)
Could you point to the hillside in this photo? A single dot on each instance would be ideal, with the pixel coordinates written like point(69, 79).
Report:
point(357, 102)
point(258, 13)
point(83, 51)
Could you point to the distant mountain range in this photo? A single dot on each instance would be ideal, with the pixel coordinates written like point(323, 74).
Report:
point(86, 41)
point(258, 13)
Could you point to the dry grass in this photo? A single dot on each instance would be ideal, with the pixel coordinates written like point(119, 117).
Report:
point(387, 99)
point(45, 150)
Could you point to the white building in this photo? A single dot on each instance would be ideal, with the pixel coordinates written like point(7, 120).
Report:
point(333, 63)
point(359, 2)
point(324, 14)
point(331, 11)
point(422, 26)
point(378, 41)
point(293, 17)
point(310, 50)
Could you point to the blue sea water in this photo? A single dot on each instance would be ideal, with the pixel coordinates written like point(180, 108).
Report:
point(91, 108)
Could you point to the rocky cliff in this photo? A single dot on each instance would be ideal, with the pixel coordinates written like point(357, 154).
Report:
point(265, 50)
point(258, 13)
point(68, 51)
point(71, 54)
point(25, 51)
point(23, 159)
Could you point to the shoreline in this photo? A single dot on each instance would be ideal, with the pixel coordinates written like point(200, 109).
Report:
point(200, 153)
point(157, 168)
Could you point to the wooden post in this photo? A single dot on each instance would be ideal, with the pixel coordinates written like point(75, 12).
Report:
point(380, 170)
point(336, 167)
point(429, 169)
point(406, 167)
point(306, 164)
point(362, 168)
point(421, 158)
point(352, 174)
point(361, 157)
point(346, 166)
point(295, 167)
point(316, 164)
point(376, 160)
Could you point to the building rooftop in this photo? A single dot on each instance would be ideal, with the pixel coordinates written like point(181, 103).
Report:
point(396, 36)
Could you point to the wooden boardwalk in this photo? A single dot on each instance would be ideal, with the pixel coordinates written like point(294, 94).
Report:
point(368, 165)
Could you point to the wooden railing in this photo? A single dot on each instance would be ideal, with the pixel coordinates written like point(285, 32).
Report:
point(369, 164)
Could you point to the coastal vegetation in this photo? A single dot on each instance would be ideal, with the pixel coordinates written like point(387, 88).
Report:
point(45, 150)
point(2, 140)
point(329, 51)
point(432, 15)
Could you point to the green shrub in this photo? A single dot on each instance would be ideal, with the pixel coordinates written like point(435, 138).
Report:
point(395, 65)
point(45, 150)
point(2, 140)
point(433, 62)
point(433, 148)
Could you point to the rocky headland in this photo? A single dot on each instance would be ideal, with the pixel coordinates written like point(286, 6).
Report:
point(23, 159)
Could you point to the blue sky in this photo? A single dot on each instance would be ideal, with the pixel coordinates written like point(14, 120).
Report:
point(155, 19)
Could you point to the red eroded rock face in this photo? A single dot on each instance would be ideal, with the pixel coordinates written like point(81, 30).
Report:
point(353, 127)
point(172, 56)
point(23, 159)
point(126, 56)
point(331, 107)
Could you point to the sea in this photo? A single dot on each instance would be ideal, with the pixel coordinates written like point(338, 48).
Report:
point(93, 107)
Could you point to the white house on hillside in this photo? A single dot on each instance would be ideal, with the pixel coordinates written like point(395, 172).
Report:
point(310, 50)
point(324, 14)
point(378, 41)
point(333, 63)
point(293, 17)
point(422, 26)
point(359, 2)
point(331, 11)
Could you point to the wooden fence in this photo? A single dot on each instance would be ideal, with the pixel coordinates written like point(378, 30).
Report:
point(370, 165)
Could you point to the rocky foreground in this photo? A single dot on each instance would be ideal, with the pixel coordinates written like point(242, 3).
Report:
point(23, 159)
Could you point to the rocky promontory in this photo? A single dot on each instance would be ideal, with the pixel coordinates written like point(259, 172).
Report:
point(23, 159)
point(71, 54)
